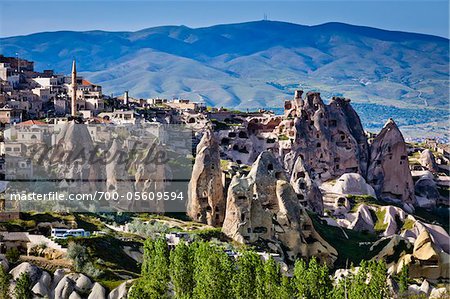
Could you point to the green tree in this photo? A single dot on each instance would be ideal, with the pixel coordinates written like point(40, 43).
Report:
point(300, 279)
point(182, 271)
point(4, 283)
point(358, 286)
point(260, 277)
point(78, 254)
point(403, 280)
point(319, 281)
point(377, 284)
point(213, 272)
point(155, 268)
point(244, 281)
point(271, 279)
point(339, 290)
point(286, 291)
point(23, 287)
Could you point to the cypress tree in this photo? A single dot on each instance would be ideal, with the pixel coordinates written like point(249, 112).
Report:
point(4, 283)
point(245, 281)
point(181, 271)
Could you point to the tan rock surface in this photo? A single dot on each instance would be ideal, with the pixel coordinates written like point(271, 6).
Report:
point(389, 172)
point(263, 205)
point(428, 160)
point(329, 138)
point(206, 202)
point(306, 189)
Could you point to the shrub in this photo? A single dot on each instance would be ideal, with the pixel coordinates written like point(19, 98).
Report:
point(13, 255)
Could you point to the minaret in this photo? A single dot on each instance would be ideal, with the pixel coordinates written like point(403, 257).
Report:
point(74, 88)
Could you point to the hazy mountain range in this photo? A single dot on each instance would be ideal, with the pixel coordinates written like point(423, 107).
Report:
point(254, 64)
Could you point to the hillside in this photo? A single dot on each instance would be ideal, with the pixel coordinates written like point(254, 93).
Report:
point(254, 64)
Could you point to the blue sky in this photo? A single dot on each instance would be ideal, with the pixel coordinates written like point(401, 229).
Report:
point(19, 17)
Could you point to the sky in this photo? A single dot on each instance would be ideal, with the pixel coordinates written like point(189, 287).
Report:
point(19, 17)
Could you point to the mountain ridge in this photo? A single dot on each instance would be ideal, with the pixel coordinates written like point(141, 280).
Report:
point(252, 64)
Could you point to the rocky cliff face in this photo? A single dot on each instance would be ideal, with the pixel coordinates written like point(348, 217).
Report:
point(313, 145)
point(308, 193)
point(389, 172)
point(206, 195)
point(263, 205)
point(329, 138)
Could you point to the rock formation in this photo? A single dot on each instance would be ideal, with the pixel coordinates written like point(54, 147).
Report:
point(206, 202)
point(427, 259)
point(428, 161)
point(363, 219)
point(73, 155)
point(150, 177)
point(306, 189)
point(353, 184)
point(65, 285)
point(426, 190)
point(263, 205)
point(115, 168)
point(389, 172)
point(329, 138)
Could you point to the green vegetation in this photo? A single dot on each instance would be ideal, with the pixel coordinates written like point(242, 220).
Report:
point(150, 229)
point(18, 225)
point(81, 260)
point(354, 249)
point(356, 200)
point(380, 226)
point(155, 272)
point(355, 286)
point(311, 280)
point(23, 287)
point(437, 215)
point(13, 255)
point(408, 224)
point(207, 234)
point(283, 137)
point(4, 283)
point(219, 125)
point(224, 164)
point(103, 257)
point(203, 270)
point(403, 280)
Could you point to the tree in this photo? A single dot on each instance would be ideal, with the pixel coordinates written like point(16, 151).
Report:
point(403, 279)
point(181, 271)
point(319, 281)
point(300, 280)
point(81, 260)
point(244, 281)
point(312, 280)
point(358, 286)
point(78, 254)
point(377, 284)
point(340, 290)
point(155, 268)
point(286, 291)
point(272, 278)
point(23, 287)
point(4, 283)
point(213, 272)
